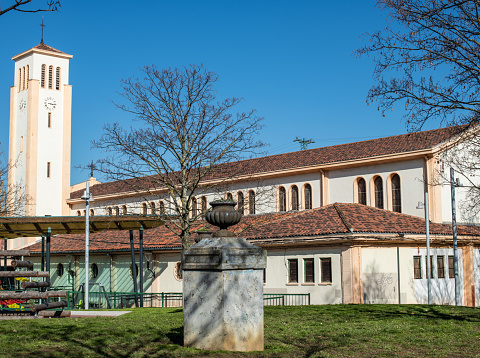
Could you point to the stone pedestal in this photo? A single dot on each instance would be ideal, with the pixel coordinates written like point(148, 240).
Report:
point(223, 295)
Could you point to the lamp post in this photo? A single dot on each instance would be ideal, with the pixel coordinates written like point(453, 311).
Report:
point(87, 196)
point(424, 205)
point(454, 183)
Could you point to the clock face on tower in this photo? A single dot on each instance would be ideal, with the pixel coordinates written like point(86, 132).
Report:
point(50, 103)
point(22, 105)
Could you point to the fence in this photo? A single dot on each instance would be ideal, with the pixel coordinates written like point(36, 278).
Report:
point(107, 300)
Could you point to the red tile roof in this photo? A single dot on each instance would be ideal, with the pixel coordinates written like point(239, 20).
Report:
point(338, 153)
point(42, 46)
point(335, 219)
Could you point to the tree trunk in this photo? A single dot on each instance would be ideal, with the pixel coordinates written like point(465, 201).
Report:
point(54, 314)
point(46, 306)
point(16, 253)
point(24, 274)
point(10, 295)
point(26, 284)
point(18, 263)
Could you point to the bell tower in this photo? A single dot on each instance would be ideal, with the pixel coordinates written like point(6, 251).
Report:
point(40, 132)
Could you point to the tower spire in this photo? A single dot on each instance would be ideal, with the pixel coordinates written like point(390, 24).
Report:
point(42, 25)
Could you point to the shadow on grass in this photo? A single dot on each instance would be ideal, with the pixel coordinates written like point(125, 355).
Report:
point(462, 314)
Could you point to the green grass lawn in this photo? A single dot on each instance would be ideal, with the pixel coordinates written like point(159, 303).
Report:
point(308, 331)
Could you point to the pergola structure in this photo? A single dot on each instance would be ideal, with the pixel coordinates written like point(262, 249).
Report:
point(48, 226)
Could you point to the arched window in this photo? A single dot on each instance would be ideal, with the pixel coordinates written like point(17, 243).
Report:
point(240, 202)
point(194, 207)
point(396, 194)
point(144, 209)
point(28, 75)
point(229, 196)
point(294, 195)
point(307, 193)
point(42, 79)
point(50, 77)
point(94, 270)
point(378, 186)
point(153, 209)
point(19, 79)
point(124, 210)
point(84, 212)
point(161, 207)
point(203, 201)
point(23, 78)
point(282, 199)
point(57, 78)
point(109, 211)
point(79, 213)
point(117, 211)
point(362, 191)
point(92, 212)
point(251, 202)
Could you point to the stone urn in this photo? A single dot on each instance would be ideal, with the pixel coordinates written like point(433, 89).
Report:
point(223, 215)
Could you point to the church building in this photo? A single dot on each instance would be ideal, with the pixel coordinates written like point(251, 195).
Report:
point(341, 223)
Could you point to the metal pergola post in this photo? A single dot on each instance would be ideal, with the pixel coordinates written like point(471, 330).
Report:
point(134, 271)
point(87, 197)
point(43, 253)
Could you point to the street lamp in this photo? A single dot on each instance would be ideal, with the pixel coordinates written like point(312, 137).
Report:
point(424, 205)
point(87, 196)
point(453, 184)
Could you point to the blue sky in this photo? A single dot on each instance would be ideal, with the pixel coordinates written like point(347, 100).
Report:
point(290, 60)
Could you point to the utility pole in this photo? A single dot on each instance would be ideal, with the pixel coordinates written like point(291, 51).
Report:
point(454, 231)
point(304, 142)
point(87, 196)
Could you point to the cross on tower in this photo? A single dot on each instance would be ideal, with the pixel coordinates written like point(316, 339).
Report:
point(42, 25)
point(92, 167)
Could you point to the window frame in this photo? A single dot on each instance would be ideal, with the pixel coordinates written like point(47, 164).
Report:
point(309, 270)
point(307, 196)
point(417, 271)
point(440, 266)
point(324, 277)
point(282, 199)
point(293, 271)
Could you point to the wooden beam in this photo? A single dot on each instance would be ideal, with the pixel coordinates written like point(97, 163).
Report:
point(18, 263)
point(15, 253)
point(54, 314)
point(46, 306)
point(4, 274)
point(26, 284)
point(11, 295)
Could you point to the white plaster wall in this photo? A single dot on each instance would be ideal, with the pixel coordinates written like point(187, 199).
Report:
point(320, 293)
point(380, 275)
point(164, 267)
point(341, 183)
point(50, 143)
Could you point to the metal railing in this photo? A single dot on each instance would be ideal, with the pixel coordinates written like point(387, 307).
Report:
point(286, 299)
point(117, 300)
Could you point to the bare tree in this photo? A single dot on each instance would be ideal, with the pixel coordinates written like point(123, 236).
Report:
point(182, 141)
point(21, 5)
point(428, 60)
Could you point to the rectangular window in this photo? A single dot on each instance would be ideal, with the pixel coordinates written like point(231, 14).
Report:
point(431, 266)
point(21, 144)
point(264, 275)
point(417, 267)
point(451, 268)
point(293, 271)
point(49, 121)
point(48, 169)
point(440, 267)
point(309, 270)
point(326, 269)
